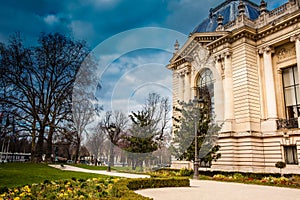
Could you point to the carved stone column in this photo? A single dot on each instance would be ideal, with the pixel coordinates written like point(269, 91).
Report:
point(228, 88)
point(269, 82)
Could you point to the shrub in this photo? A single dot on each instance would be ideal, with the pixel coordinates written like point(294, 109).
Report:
point(186, 172)
point(238, 176)
point(219, 177)
point(280, 164)
point(135, 184)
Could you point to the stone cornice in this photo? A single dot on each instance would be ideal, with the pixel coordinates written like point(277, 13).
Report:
point(233, 36)
point(273, 28)
point(213, 40)
point(255, 35)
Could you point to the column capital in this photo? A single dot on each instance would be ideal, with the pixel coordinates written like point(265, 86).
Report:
point(295, 37)
point(180, 73)
point(227, 54)
point(266, 49)
point(218, 58)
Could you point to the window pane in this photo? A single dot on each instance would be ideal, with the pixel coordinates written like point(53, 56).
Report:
point(296, 75)
point(288, 77)
point(290, 96)
point(290, 153)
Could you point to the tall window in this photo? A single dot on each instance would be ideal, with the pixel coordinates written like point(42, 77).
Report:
point(291, 92)
point(290, 153)
point(205, 86)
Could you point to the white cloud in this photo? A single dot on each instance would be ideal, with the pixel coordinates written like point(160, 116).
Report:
point(82, 29)
point(102, 4)
point(51, 19)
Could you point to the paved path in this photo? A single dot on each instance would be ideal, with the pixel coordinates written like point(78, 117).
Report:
point(103, 172)
point(204, 190)
point(212, 190)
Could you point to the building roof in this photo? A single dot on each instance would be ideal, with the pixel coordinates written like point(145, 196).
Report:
point(229, 10)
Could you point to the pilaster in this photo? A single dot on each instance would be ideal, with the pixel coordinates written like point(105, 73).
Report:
point(228, 93)
point(269, 82)
point(270, 95)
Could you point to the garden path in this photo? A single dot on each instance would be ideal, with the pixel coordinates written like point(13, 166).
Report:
point(213, 190)
point(103, 172)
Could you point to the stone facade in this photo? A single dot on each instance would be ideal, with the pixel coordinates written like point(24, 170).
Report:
point(255, 68)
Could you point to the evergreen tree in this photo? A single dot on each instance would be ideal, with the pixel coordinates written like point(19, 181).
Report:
point(191, 118)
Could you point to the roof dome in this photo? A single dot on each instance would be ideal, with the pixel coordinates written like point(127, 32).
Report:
point(229, 10)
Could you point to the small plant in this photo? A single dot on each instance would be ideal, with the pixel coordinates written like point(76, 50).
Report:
point(280, 165)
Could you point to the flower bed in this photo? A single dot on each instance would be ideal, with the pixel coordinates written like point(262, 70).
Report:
point(93, 188)
point(270, 180)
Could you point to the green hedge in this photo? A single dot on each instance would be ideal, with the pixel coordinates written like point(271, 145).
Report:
point(135, 184)
point(123, 189)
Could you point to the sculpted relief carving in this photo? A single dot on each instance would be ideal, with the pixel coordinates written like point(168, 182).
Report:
point(200, 57)
point(286, 52)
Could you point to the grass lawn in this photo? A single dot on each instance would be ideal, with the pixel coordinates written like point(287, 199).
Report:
point(19, 174)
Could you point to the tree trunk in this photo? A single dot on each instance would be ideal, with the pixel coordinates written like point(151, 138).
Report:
point(39, 147)
point(49, 146)
point(111, 154)
point(77, 150)
point(33, 136)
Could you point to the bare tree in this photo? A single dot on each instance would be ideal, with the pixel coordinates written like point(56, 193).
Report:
point(115, 124)
point(39, 85)
point(95, 143)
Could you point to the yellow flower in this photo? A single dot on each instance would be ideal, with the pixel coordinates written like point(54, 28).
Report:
point(95, 179)
point(16, 190)
point(17, 198)
point(81, 197)
point(3, 195)
point(116, 180)
point(26, 188)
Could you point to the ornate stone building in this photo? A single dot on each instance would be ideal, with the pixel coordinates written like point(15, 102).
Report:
point(249, 58)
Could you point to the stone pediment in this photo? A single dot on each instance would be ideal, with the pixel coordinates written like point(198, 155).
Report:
point(195, 49)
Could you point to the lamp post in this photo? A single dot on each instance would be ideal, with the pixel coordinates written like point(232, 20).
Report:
point(197, 104)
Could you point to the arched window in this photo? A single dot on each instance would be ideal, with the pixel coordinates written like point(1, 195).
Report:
point(205, 86)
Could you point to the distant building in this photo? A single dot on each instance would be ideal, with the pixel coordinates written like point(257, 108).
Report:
point(249, 59)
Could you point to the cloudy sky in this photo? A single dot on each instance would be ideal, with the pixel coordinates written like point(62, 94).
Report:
point(132, 56)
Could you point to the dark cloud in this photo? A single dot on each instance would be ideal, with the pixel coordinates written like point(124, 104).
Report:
point(96, 20)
